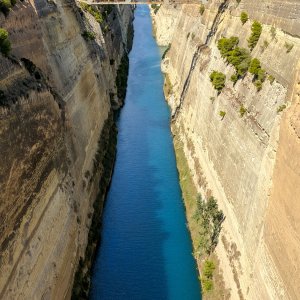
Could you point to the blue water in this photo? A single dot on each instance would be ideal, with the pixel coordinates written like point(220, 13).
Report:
point(145, 250)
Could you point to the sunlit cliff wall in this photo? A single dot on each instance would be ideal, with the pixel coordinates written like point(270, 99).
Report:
point(57, 95)
point(250, 163)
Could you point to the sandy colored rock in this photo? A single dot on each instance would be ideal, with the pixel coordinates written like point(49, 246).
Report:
point(56, 98)
point(250, 163)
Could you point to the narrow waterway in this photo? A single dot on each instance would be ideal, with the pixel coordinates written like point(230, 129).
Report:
point(146, 251)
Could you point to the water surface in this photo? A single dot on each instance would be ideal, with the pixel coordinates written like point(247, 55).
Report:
point(145, 251)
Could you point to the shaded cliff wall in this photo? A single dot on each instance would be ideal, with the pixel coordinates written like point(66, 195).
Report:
point(57, 94)
point(233, 157)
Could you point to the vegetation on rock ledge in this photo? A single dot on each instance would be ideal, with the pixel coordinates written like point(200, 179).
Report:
point(94, 11)
point(202, 9)
point(244, 17)
point(88, 35)
point(209, 219)
point(256, 29)
point(241, 59)
point(6, 5)
point(155, 8)
point(5, 45)
point(218, 80)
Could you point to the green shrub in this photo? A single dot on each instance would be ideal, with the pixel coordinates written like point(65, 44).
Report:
point(222, 114)
point(93, 10)
point(226, 45)
point(202, 9)
point(243, 110)
point(209, 218)
point(239, 57)
point(258, 85)
point(288, 47)
point(254, 66)
point(256, 70)
point(218, 80)
point(261, 76)
point(208, 269)
point(207, 285)
point(244, 17)
point(234, 78)
point(3, 34)
point(155, 8)
point(5, 6)
point(5, 45)
point(281, 108)
point(256, 30)
point(271, 78)
point(88, 35)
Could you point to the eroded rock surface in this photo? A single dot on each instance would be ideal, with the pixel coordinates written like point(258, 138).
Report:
point(57, 95)
point(249, 163)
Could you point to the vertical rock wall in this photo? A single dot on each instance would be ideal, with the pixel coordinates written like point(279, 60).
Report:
point(57, 94)
point(250, 163)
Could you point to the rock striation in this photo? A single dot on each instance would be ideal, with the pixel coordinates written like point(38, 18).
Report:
point(57, 95)
point(249, 161)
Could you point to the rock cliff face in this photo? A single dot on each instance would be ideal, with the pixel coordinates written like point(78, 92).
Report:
point(57, 92)
point(249, 163)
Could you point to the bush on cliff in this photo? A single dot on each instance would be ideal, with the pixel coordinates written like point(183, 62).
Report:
point(226, 45)
point(256, 30)
point(5, 45)
point(254, 66)
point(208, 269)
point(258, 85)
point(5, 6)
point(155, 8)
point(88, 35)
point(256, 70)
point(94, 11)
point(218, 80)
point(238, 57)
point(209, 219)
point(234, 78)
point(201, 9)
point(244, 17)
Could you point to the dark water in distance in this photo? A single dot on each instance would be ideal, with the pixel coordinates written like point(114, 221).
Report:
point(145, 251)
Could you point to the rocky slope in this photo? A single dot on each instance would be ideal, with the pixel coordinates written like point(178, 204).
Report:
point(249, 161)
point(57, 94)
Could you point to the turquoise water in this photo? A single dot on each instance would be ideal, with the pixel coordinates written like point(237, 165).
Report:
point(145, 250)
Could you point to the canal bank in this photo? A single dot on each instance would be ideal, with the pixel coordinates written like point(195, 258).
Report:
point(146, 250)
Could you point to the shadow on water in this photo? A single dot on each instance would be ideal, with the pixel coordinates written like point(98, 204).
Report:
point(145, 250)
